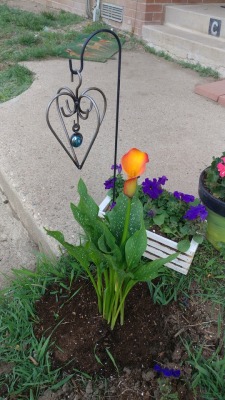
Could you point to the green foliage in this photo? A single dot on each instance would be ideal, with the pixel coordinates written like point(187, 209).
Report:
point(165, 215)
point(214, 182)
point(115, 247)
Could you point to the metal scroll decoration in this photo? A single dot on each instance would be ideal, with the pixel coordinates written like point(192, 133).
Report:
point(74, 109)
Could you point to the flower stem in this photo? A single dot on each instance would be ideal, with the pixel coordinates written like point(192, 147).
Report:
point(127, 221)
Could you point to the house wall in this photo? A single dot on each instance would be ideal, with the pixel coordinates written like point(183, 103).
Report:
point(135, 14)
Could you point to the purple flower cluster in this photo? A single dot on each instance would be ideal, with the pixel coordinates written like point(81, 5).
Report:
point(153, 188)
point(109, 184)
point(195, 212)
point(187, 198)
point(117, 167)
point(175, 373)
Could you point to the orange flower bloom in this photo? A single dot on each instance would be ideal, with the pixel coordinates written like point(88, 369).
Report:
point(133, 164)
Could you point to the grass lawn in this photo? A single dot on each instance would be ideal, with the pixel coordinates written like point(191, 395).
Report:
point(27, 36)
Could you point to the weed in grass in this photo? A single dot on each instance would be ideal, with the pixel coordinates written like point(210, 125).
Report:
point(29, 39)
point(203, 71)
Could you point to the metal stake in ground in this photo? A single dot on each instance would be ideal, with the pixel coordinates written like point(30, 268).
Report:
point(73, 109)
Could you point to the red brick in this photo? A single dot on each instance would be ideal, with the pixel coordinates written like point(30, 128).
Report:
point(221, 100)
point(211, 90)
point(154, 8)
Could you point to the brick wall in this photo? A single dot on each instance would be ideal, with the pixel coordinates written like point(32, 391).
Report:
point(136, 13)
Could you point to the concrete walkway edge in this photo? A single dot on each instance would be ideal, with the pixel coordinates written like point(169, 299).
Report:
point(36, 232)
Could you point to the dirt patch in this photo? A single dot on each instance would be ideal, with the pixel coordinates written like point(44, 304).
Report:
point(149, 340)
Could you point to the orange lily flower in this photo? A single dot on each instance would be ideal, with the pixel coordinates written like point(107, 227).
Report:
point(133, 164)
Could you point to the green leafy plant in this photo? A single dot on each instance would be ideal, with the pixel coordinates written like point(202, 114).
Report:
point(176, 215)
point(215, 177)
point(111, 254)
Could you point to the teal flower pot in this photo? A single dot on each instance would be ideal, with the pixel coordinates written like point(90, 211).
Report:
point(216, 214)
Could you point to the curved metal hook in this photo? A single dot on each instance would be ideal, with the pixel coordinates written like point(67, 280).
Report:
point(75, 72)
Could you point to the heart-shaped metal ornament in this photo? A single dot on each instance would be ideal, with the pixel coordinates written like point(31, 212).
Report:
point(77, 107)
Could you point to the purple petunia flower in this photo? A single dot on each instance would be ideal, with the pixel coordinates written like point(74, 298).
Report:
point(195, 212)
point(109, 184)
point(118, 167)
point(167, 371)
point(162, 180)
point(157, 368)
point(153, 188)
point(176, 373)
point(187, 198)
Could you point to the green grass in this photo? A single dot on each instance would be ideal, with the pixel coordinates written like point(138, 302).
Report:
point(14, 81)
point(208, 379)
point(27, 36)
point(15, 20)
point(19, 348)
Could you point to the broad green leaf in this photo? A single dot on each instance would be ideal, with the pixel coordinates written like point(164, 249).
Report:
point(167, 229)
point(107, 242)
point(159, 219)
point(135, 247)
point(95, 255)
point(152, 269)
point(79, 252)
point(198, 238)
point(57, 235)
point(103, 246)
point(87, 203)
point(86, 213)
point(183, 245)
point(117, 215)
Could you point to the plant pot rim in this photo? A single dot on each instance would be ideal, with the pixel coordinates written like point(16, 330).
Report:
point(211, 202)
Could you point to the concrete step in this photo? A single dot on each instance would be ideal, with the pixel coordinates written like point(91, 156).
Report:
point(197, 18)
point(186, 45)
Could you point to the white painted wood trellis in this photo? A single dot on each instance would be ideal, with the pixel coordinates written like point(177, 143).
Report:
point(161, 247)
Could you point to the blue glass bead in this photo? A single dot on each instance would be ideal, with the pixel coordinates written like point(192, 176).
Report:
point(76, 139)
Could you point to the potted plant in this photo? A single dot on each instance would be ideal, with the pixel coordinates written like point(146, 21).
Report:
point(173, 221)
point(212, 194)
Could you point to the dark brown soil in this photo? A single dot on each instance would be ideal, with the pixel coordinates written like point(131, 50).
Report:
point(150, 336)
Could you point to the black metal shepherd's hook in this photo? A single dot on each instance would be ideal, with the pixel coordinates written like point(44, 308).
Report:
point(75, 140)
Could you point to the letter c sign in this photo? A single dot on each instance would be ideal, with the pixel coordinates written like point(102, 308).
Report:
point(214, 27)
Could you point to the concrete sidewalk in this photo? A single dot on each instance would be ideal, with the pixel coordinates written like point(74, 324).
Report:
point(159, 113)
